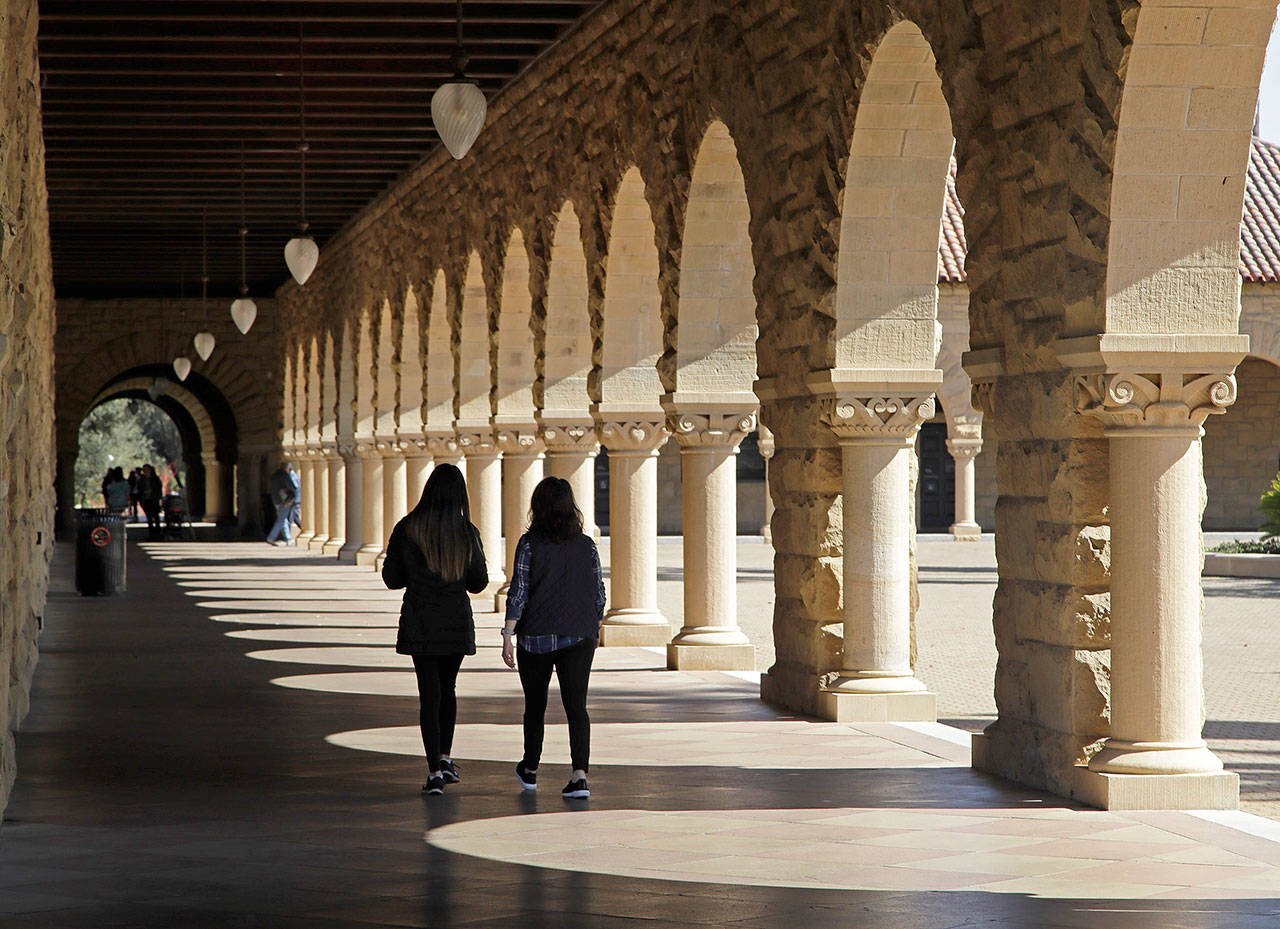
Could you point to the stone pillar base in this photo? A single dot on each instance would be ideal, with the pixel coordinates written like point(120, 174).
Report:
point(333, 546)
point(500, 600)
point(377, 562)
point(368, 554)
point(966, 532)
point(654, 631)
point(303, 539)
point(316, 545)
point(1219, 790)
point(920, 706)
point(711, 657)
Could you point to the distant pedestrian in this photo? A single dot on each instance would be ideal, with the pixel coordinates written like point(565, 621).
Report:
point(283, 487)
point(554, 609)
point(150, 494)
point(116, 491)
point(435, 555)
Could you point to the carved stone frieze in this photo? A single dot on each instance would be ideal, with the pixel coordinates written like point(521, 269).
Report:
point(518, 440)
point(442, 446)
point(477, 443)
point(877, 417)
point(1166, 400)
point(711, 430)
point(633, 435)
point(570, 437)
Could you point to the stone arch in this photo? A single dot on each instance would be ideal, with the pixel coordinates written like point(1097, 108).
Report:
point(386, 377)
point(716, 316)
point(313, 391)
point(344, 407)
point(631, 319)
point(1182, 150)
point(566, 343)
point(200, 422)
point(892, 209)
point(289, 407)
point(412, 387)
point(440, 385)
point(365, 376)
point(1241, 448)
point(514, 349)
point(472, 404)
point(329, 389)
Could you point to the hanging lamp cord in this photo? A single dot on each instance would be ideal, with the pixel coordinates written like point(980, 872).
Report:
point(244, 228)
point(303, 147)
point(459, 59)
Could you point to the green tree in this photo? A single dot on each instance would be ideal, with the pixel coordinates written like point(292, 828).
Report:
point(125, 433)
point(1270, 507)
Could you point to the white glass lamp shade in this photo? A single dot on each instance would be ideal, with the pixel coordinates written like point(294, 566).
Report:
point(244, 311)
point(204, 342)
point(301, 255)
point(182, 367)
point(458, 109)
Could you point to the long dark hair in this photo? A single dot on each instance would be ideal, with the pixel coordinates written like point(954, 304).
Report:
point(554, 514)
point(440, 525)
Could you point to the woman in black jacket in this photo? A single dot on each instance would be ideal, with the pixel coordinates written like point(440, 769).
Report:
point(435, 554)
point(554, 608)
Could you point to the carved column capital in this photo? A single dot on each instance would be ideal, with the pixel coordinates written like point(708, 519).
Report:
point(711, 430)
point(522, 439)
point(577, 436)
point(412, 445)
point(441, 445)
point(330, 451)
point(348, 448)
point(764, 441)
point(476, 443)
point(964, 448)
point(1126, 400)
point(390, 447)
point(366, 447)
point(878, 419)
point(623, 436)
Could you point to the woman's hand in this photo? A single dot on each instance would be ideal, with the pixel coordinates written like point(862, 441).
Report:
point(508, 651)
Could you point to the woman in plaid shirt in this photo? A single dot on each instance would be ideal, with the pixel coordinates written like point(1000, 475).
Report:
point(554, 608)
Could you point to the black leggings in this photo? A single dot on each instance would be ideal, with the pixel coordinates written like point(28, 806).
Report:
point(573, 669)
point(438, 703)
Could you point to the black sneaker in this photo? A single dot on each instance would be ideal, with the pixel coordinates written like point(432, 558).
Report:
point(434, 785)
point(528, 779)
point(576, 790)
point(449, 771)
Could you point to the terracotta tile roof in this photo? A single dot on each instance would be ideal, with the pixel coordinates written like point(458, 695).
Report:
point(1259, 227)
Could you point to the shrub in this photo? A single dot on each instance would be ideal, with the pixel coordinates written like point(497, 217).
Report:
point(1270, 506)
point(1265, 547)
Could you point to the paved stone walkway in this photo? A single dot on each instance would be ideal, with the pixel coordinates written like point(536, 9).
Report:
point(232, 743)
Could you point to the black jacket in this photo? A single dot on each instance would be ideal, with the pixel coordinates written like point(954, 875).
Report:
point(435, 618)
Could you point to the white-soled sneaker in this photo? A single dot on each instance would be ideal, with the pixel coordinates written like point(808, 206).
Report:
point(528, 779)
point(576, 790)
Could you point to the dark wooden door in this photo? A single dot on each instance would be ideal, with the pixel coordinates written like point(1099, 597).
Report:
point(937, 479)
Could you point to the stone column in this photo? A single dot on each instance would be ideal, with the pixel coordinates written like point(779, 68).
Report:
point(337, 469)
point(963, 450)
point(394, 491)
point(484, 490)
point(521, 470)
point(764, 441)
point(571, 454)
point(417, 469)
point(320, 478)
point(876, 681)
point(710, 638)
point(305, 464)
point(633, 617)
point(371, 503)
point(353, 468)
point(215, 491)
point(1156, 757)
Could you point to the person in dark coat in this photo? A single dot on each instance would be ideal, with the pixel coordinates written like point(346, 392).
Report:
point(554, 609)
point(435, 555)
point(150, 495)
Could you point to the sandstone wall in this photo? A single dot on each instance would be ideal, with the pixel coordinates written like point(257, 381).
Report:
point(26, 373)
point(1242, 449)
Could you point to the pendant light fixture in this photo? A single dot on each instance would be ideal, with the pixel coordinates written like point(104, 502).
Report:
point(301, 252)
point(204, 340)
point(458, 107)
point(157, 388)
point(182, 367)
point(243, 310)
point(181, 364)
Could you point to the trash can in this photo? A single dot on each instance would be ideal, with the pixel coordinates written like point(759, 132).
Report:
point(100, 540)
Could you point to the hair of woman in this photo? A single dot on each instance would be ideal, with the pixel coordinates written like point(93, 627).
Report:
point(440, 525)
point(554, 514)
